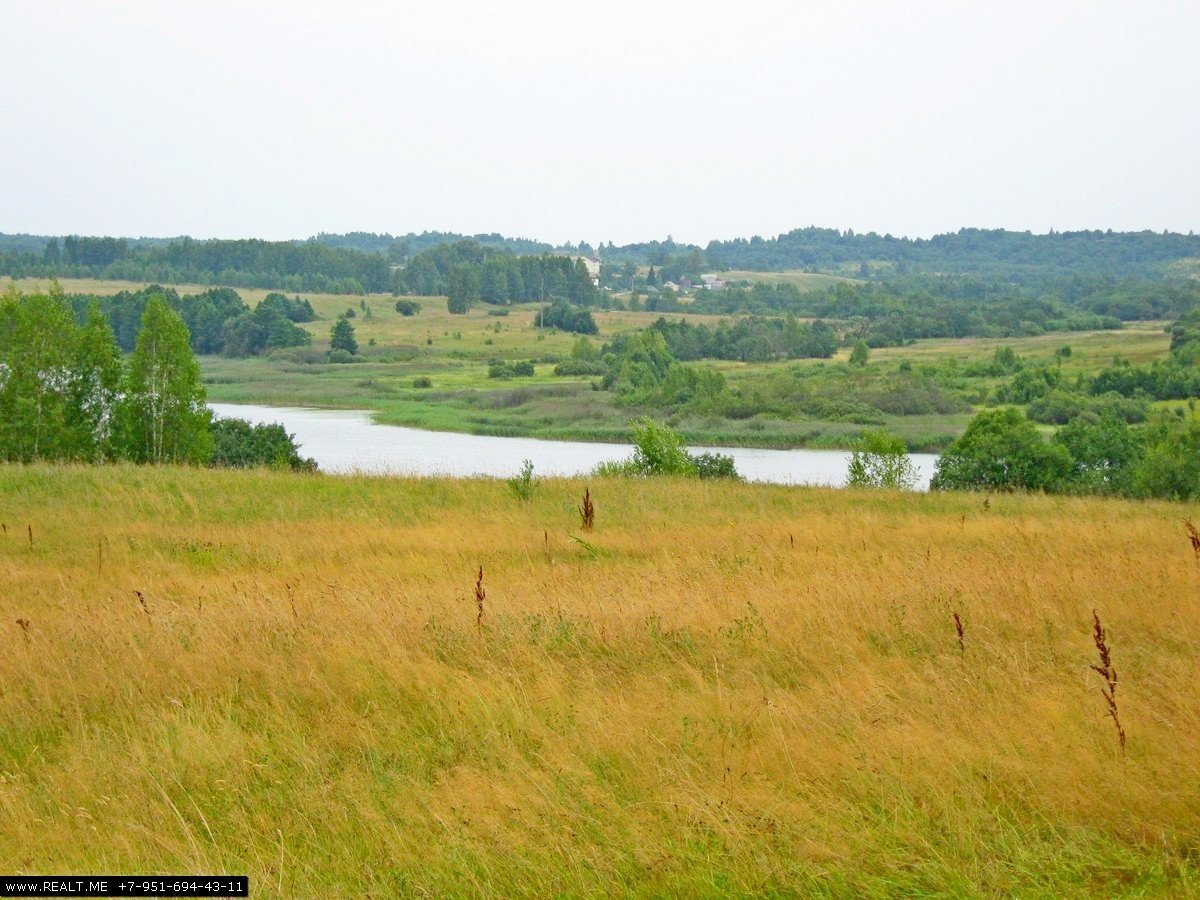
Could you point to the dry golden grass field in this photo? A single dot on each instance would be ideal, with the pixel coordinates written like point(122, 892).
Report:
point(723, 689)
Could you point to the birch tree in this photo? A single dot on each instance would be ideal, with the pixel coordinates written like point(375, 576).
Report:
point(36, 338)
point(165, 418)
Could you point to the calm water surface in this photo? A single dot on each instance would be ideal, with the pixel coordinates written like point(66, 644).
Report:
point(345, 441)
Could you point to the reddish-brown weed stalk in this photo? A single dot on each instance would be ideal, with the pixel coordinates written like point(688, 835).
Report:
point(24, 625)
point(480, 593)
point(587, 512)
point(1106, 671)
point(958, 629)
point(1194, 536)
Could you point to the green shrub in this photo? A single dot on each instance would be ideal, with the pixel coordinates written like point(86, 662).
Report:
point(881, 460)
point(239, 445)
point(659, 451)
point(524, 483)
point(506, 370)
point(1002, 450)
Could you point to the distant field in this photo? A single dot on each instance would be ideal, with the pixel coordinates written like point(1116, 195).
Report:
point(1139, 342)
point(805, 281)
point(723, 690)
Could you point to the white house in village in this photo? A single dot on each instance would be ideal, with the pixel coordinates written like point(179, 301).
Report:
point(712, 282)
point(592, 264)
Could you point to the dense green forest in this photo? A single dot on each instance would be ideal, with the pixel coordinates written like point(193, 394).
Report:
point(402, 247)
point(217, 320)
point(286, 265)
point(968, 250)
point(467, 272)
point(364, 261)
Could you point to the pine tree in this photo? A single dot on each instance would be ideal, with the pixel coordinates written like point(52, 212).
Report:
point(341, 337)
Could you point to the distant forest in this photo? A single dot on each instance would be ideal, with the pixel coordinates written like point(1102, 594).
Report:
point(972, 251)
point(362, 262)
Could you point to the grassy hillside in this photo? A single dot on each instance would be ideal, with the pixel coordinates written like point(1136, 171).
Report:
point(805, 281)
point(723, 689)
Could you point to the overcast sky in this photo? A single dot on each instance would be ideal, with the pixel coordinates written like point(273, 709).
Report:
point(603, 121)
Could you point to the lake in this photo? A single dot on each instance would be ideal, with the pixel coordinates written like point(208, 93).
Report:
point(348, 441)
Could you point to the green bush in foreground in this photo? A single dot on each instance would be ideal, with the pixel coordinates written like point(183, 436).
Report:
point(239, 445)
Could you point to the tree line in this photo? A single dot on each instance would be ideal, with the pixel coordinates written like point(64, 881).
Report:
point(967, 251)
point(310, 266)
point(467, 273)
point(218, 320)
point(362, 261)
point(68, 393)
point(749, 339)
point(400, 248)
point(894, 312)
point(1002, 450)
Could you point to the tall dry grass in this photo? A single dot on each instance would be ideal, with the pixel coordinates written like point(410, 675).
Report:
point(730, 689)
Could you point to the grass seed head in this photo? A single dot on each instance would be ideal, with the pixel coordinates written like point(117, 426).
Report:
point(587, 512)
point(480, 594)
point(1108, 672)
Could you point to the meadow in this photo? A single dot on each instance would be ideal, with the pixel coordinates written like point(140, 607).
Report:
point(723, 689)
point(454, 351)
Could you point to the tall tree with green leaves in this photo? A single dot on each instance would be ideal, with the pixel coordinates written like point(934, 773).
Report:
point(94, 389)
point(36, 337)
point(462, 288)
point(494, 280)
point(164, 416)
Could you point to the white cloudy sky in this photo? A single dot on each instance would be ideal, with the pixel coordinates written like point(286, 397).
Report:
point(608, 120)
